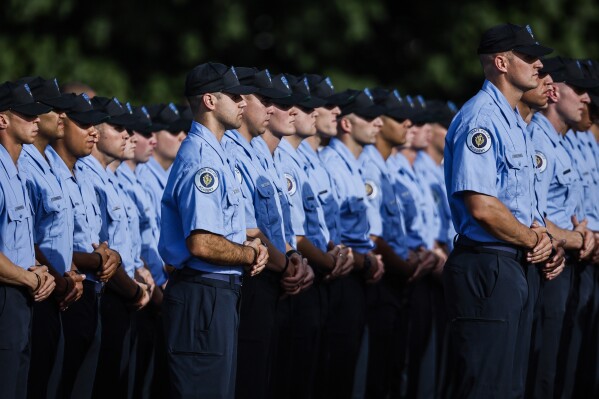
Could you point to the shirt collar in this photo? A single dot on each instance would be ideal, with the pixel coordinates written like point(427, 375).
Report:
point(200, 131)
point(37, 157)
point(126, 173)
point(309, 154)
point(371, 154)
point(347, 156)
point(95, 166)
point(286, 146)
point(60, 168)
point(543, 123)
point(238, 139)
point(511, 115)
point(7, 163)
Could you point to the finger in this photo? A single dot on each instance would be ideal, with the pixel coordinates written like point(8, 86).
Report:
point(574, 220)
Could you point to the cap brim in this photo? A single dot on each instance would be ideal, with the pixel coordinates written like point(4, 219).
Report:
point(122, 120)
point(32, 109)
point(369, 112)
point(89, 117)
point(292, 99)
point(594, 97)
point(399, 114)
point(180, 125)
point(63, 102)
point(271, 93)
point(588, 83)
point(535, 50)
point(241, 89)
point(312, 102)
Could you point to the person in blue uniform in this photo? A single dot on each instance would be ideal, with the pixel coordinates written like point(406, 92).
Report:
point(81, 325)
point(559, 195)
point(358, 122)
point(169, 127)
point(489, 174)
point(204, 239)
point(53, 226)
point(22, 280)
point(264, 219)
point(123, 293)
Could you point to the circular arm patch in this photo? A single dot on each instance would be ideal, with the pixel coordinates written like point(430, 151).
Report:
point(206, 180)
point(478, 141)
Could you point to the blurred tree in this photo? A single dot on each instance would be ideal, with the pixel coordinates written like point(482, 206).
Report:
point(141, 50)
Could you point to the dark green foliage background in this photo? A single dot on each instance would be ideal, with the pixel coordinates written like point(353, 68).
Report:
point(141, 50)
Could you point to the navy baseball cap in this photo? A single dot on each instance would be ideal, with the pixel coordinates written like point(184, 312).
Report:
point(569, 71)
point(169, 117)
point(213, 77)
point(590, 69)
point(119, 115)
point(394, 104)
point(143, 122)
point(361, 103)
point(259, 80)
point(510, 37)
point(47, 92)
point(301, 88)
point(322, 88)
point(18, 98)
point(83, 111)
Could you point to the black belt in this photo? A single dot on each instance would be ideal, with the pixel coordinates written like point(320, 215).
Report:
point(187, 273)
point(498, 248)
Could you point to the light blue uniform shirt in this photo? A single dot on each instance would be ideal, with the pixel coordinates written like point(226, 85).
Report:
point(115, 226)
point(406, 186)
point(87, 220)
point(16, 216)
point(558, 185)
point(384, 210)
point(201, 194)
point(307, 217)
point(266, 160)
point(261, 199)
point(584, 161)
point(323, 184)
point(148, 229)
point(488, 151)
point(344, 169)
point(432, 174)
point(53, 215)
point(153, 177)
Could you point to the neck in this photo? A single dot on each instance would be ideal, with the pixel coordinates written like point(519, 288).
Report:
point(131, 164)
point(353, 146)
point(115, 164)
point(410, 154)
point(314, 141)
point(104, 159)
point(526, 111)
point(294, 140)
point(434, 154)
point(245, 133)
point(162, 161)
point(68, 158)
point(212, 124)
point(40, 142)
point(271, 140)
point(385, 147)
point(595, 131)
point(512, 94)
point(14, 149)
point(556, 121)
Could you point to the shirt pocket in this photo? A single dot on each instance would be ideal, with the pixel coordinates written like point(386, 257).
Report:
point(566, 180)
point(516, 164)
point(55, 209)
point(116, 222)
point(267, 211)
point(312, 226)
point(392, 217)
point(231, 211)
point(17, 231)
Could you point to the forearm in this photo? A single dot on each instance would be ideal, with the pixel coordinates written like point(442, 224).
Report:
point(498, 221)
point(218, 250)
point(390, 258)
point(89, 262)
point(58, 278)
point(276, 259)
point(315, 256)
point(574, 240)
point(122, 284)
point(15, 275)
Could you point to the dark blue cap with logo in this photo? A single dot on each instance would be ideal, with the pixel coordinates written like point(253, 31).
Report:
point(511, 37)
point(47, 92)
point(83, 111)
point(213, 77)
point(168, 116)
point(119, 115)
point(361, 103)
point(259, 80)
point(19, 98)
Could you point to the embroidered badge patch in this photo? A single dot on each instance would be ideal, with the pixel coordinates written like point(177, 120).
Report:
point(291, 184)
point(479, 141)
point(371, 189)
point(206, 180)
point(540, 161)
point(238, 176)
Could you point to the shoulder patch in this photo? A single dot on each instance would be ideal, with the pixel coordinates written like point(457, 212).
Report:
point(291, 183)
point(540, 161)
point(478, 141)
point(372, 189)
point(206, 180)
point(238, 176)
